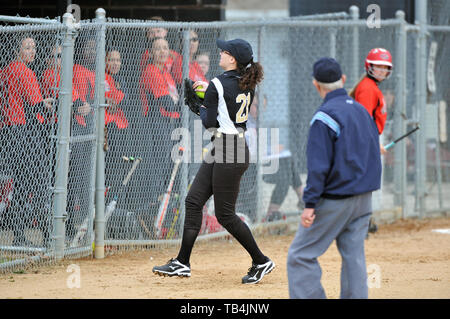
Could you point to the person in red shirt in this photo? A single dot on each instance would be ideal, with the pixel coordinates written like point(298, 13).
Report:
point(50, 81)
point(160, 111)
point(22, 96)
point(204, 62)
point(84, 84)
point(151, 34)
point(113, 95)
point(116, 124)
point(195, 71)
point(378, 67)
point(83, 124)
point(157, 87)
point(24, 112)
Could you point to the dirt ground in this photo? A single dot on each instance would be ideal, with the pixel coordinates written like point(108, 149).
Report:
point(405, 260)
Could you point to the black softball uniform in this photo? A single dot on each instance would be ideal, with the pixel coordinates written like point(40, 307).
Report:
point(226, 112)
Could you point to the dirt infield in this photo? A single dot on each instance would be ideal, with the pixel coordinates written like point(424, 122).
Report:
point(409, 259)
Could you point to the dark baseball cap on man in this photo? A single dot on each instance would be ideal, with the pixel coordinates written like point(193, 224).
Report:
point(240, 49)
point(327, 70)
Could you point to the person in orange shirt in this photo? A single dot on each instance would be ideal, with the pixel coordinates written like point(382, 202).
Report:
point(50, 81)
point(161, 114)
point(84, 84)
point(195, 71)
point(151, 34)
point(83, 124)
point(116, 124)
point(23, 98)
point(378, 67)
point(113, 95)
point(24, 114)
point(157, 87)
point(204, 62)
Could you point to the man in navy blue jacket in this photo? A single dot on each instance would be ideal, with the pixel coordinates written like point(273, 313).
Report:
point(344, 168)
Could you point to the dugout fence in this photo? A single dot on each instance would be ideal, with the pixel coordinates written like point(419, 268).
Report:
point(86, 126)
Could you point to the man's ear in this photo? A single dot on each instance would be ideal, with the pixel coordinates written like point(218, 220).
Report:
point(314, 82)
point(344, 78)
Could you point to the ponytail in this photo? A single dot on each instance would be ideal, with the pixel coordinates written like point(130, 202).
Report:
point(250, 75)
point(353, 90)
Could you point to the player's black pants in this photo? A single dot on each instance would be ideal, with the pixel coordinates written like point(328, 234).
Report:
point(219, 175)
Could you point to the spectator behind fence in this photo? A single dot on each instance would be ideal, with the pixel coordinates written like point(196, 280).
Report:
point(116, 124)
point(152, 33)
point(50, 81)
point(84, 84)
point(204, 63)
point(79, 194)
point(113, 95)
point(26, 115)
point(157, 87)
point(195, 71)
point(160, 109)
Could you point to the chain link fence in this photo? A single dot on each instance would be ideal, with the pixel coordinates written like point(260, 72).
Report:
point(92, 127)
point(27, 140)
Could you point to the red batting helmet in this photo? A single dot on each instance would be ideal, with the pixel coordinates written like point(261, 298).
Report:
point(378, 56)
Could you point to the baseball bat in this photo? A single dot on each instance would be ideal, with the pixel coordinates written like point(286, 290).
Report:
point(165, 200)
point(391, 144)
point(111, 206)
point(171, 231)
point(144, 226)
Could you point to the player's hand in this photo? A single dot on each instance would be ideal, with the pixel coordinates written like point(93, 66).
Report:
point(382, 150)
point(48, 103)
point(200, 86)
point(84, 109)
point(308, 217)
point(112, 106)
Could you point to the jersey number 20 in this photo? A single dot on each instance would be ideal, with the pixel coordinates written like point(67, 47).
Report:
point(242, 113)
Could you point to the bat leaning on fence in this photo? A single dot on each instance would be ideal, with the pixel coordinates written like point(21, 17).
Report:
point(391, 144)
point(165, 200)
point(111, 206)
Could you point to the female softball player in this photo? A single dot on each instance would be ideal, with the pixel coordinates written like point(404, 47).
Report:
point(378, 67)
point(225, 110)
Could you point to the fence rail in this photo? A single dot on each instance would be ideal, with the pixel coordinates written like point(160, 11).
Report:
point(81, 102)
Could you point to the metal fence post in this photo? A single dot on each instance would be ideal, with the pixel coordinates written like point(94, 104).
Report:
point(354, 13)
point(399, 126)
point(63, 136)
point(421, 100)
point(333, 42)
point(99, 251)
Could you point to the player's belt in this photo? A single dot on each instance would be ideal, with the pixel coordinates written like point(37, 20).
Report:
point(220, 134)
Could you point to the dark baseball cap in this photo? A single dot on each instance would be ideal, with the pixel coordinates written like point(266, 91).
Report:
point(240, 49)
point(327, 70)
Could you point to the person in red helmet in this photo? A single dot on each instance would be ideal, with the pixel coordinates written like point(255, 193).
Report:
point(378, 67)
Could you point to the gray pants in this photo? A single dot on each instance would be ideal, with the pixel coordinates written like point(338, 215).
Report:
point(345, 220)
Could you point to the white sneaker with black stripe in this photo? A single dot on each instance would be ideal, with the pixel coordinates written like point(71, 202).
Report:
point(257, 271)
point(173, 268)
